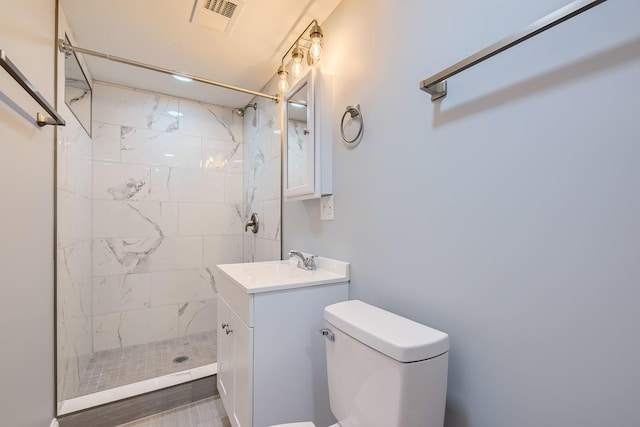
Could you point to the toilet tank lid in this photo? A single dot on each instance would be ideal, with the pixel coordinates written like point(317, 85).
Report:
point(395, 336)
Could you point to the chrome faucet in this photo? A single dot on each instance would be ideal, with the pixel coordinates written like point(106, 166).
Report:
point(304, 263)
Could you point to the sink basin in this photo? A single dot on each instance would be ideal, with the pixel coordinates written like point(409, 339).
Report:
point(277, 275)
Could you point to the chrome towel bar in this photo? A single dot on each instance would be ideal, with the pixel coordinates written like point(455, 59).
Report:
point(436, 85)
point(56, 119)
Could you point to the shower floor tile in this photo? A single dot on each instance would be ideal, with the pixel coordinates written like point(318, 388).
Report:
point(208, 412)
point(114, 368)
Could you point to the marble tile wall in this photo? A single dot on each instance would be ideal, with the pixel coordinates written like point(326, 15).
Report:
point(73, 242)
point(262, 177)
point(167, 207)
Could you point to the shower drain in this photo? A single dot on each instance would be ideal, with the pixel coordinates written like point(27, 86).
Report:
point(180, 359)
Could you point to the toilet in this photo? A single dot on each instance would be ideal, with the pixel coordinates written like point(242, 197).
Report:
point(383, 370)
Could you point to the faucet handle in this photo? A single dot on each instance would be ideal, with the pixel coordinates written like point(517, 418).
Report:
point(310, 263)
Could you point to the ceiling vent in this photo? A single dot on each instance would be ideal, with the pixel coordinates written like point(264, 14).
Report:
point(217, 15)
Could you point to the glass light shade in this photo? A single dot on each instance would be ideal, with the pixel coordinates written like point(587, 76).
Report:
point(283, 84)
point(296, 68)
point(315, 51)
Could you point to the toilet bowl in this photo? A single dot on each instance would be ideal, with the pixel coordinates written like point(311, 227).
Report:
point(375, 356)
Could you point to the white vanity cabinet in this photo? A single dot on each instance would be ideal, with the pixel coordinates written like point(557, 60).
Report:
point(271, 356)
point(235, 361)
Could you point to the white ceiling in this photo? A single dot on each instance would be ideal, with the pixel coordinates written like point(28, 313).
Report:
point(159, 33)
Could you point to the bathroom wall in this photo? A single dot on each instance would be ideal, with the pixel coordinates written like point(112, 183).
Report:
point(73, 239)
point(167, 207)
point(27, 248)
point(262, 177)
point(507, 213)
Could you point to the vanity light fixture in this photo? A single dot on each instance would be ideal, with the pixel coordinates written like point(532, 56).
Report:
point(313, 46)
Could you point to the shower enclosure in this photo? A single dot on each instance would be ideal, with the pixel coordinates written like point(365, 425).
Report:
point(151, 195)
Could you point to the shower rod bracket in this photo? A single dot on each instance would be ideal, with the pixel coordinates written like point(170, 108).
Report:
point(63, 46)
point(437, 90)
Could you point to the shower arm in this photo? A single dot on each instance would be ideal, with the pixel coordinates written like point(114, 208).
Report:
point(66, 47)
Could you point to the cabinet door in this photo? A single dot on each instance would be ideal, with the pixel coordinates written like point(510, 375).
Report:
point(225, 356)
point(243, 372)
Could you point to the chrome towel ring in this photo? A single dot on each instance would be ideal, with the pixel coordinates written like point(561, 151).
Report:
point(354, 111)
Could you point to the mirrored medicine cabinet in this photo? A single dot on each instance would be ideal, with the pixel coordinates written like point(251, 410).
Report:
point(306, 133)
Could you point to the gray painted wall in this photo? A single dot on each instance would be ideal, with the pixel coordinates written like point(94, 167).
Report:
point(508, 214)
point(27, 34)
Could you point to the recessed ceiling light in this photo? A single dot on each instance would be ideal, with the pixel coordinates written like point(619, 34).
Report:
point(169, 155)
point(182, 78)
point(175, 113)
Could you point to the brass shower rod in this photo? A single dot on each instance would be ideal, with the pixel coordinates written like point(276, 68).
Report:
point(66, 47)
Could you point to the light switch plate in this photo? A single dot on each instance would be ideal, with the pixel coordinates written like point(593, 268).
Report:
point(326, 208)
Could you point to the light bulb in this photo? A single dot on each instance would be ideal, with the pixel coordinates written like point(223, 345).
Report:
point(297, 56)
point(296, 68)
point(315, 51)
point(283, 84)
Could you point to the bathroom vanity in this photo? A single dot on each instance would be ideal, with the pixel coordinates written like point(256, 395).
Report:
point(271, 356)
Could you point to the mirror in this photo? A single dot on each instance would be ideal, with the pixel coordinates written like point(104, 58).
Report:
point(77, 91)
point(299, 177)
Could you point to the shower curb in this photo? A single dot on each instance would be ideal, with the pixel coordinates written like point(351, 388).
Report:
point(133, 408)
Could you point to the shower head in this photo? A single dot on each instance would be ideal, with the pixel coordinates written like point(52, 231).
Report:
point(240, 111)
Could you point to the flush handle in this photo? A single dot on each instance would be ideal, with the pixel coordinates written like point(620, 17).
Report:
point(328, 334)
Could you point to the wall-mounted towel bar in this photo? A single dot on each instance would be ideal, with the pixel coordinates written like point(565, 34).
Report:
point(56, 119)
point(436, 85)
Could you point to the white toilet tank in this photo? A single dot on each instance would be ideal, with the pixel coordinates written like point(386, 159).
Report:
point(384, 370)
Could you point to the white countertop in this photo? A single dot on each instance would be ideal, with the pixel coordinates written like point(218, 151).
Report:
point(271, 276)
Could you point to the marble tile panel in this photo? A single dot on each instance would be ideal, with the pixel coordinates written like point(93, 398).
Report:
point(271, 220)
point(179, 287)
point(113, 294)
point(276, 143)
point(75, 302)
point(106, 142)
point(117, 256)
point(223, 250)
point(186, 185)
point(160, 184)
point(229, 220)
point(197, 219)
point(267, 178)
point(73, 218)
point(177, 253)
point(134, 218)
point(222, 155)
point(119, 330)
point(73, 289)
point(136, 109)
point(249, 248)
point(233, 187)
point(149, 147)
point(74, 347)
point(117, 181)
point(74, 171)
point(210, 121)
point(266, 250)
point(77, 136)
point(196, 317)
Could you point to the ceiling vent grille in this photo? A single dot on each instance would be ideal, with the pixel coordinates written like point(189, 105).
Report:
point(217, 15)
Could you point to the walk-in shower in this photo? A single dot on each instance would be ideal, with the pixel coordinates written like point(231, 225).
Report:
point(149, 200)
